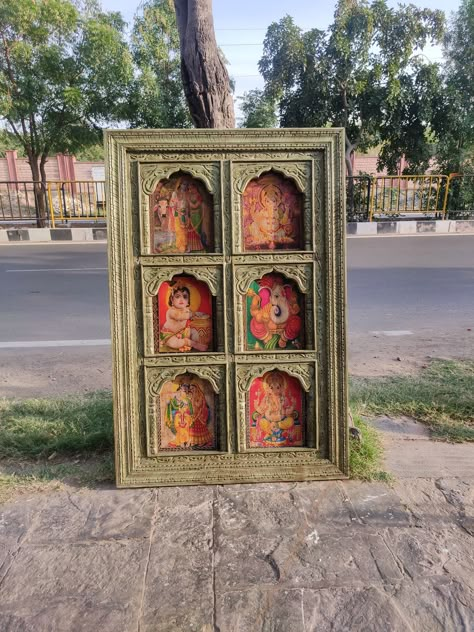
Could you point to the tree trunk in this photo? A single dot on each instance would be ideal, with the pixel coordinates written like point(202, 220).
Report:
point(39, 187)
point(205, 78)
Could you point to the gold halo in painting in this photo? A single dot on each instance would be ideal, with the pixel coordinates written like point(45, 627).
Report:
point(270, 191)
point(195, 296)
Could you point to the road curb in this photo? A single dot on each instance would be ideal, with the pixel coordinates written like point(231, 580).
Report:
point(360, 229)
point(411, 227)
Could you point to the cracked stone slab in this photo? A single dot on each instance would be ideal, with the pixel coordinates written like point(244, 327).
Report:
point(308, 559)
point(436, 604)
point(50, 586)
point(431, 553)
point(179, 585)
point(426, 502)
point(16, 520)
point(95, 515)
point(376, 504)
point(367, 609)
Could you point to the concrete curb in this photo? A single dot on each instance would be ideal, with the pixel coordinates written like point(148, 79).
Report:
point(411, 227)
point(36, 235)
point(360, 229)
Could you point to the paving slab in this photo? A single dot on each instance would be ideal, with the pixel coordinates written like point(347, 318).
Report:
point(311, 557)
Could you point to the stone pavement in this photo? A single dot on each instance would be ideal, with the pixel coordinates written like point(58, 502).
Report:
point(333, 556)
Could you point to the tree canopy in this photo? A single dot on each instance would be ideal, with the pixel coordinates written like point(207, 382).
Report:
point(64, 74)
point(157, 96)
point(362, 73)
point(455, 130)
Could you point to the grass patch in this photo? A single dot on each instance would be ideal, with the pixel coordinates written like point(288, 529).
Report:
point(38, 428)
point(27, 476)
point(365, 456)
point(441, 396)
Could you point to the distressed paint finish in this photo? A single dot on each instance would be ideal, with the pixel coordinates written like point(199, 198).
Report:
point(225, 162)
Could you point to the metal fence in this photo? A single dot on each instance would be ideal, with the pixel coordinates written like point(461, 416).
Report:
point(395, 196)
point(76, 201)
point(369, 198)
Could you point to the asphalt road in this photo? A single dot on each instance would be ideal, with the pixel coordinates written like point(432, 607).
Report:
point(59, 292)
point(410, 296)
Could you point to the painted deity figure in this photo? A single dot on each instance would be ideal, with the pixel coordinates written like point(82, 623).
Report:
point(274, 311)
point(181, 216)
point(275, 415)
point(272, 223)
point(177, 333)
point(187, 415)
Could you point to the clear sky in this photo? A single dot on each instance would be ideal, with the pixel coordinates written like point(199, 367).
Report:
point(241, 25)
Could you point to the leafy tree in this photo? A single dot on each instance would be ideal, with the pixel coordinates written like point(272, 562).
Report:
point(259, 110)
point(354, 75)
point(455, 130)
point(157, 96)
point(64, 74)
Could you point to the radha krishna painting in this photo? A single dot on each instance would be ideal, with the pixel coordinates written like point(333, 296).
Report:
point(181, 216)
point(187, 406)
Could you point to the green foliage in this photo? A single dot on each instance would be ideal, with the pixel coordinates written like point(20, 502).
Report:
point(9, 141)
point(259, 110)
point(442, 397)
point(455, 130)
point(40, 427)
point(358, 75)
point(157, 97)
point(366, 455)
point(63, 74)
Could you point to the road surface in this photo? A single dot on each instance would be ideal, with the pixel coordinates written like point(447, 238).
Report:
point(409, 298)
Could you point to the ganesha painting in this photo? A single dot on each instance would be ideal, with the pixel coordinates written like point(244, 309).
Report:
point(275, 409)
point(187, 414)
point(272, 214)
point(181, 216)
point(273, 314)
point(183, 320)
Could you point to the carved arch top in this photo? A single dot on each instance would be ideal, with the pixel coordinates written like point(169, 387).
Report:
point(298, 172)
point(246, 374)
point(156, 379)
point(151, 174)
point(154, 277)
point(300, 274)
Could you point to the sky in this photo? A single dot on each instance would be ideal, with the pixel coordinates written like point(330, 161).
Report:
point(241, 25)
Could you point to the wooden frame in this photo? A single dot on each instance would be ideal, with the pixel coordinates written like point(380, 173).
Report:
point(225, 161)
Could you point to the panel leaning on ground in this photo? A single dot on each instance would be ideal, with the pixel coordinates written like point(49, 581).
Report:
point(227, 278)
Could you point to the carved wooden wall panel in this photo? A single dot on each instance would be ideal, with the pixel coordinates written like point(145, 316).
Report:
point(227, 284)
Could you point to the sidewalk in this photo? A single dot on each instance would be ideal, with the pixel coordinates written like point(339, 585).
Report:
point(332, 556)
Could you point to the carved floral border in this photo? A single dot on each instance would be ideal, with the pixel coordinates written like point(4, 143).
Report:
point(151, 174)
point(154, 381)
point(304, 373)
point(243, 173)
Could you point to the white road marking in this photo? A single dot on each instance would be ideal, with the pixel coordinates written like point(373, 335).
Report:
point(393, 332)
point(36, 344)
point(55, 270)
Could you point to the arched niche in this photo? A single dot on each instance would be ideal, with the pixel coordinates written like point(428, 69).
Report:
point(274, 312)
point(187, 414)
point(272, 213)
point(275, 411)
point(184, 316)
point(181, 215)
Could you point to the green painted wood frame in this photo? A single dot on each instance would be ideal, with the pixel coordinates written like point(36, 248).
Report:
point(225, 161)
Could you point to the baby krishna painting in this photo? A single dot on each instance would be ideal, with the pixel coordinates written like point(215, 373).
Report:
point(272, 214)
point(276, 411)
point(187, 414)
point(184, 318)
point(181, 216)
